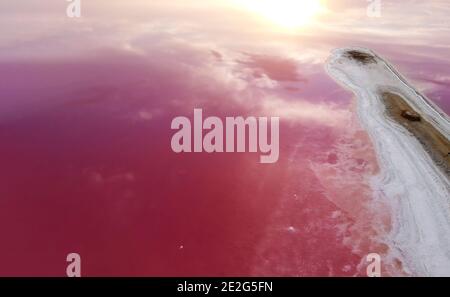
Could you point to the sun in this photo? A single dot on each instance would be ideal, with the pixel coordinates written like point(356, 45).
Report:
point(285, 13)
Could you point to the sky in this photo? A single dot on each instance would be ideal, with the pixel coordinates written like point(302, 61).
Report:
point(412, 34)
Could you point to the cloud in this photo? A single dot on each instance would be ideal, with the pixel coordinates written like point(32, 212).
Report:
point(303, 111)
point(276, 68)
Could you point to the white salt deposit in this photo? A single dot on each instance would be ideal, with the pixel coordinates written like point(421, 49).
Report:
point(417, 190)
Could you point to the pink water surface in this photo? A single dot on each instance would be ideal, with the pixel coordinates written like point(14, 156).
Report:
point(86, 163)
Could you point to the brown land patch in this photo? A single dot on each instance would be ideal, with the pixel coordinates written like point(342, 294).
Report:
point(363, 58)
point(434, 143)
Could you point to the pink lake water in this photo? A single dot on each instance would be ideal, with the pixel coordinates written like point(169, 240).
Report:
point(85, 113)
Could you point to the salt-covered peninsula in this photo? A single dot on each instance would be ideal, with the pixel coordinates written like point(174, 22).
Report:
point(411, 137)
